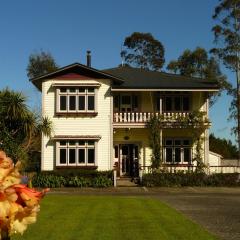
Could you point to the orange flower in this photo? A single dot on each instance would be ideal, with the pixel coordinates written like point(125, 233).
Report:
point(18, 203)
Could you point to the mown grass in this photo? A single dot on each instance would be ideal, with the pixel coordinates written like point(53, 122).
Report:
point(96, 217)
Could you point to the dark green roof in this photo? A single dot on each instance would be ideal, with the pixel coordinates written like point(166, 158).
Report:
point(136, 78)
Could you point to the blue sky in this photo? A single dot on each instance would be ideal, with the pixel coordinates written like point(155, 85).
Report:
point(68, 28)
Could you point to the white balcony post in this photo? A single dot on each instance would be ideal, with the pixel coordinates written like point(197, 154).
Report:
point(133, 119)
point(137, 117)
point(140, 117)
point(120, 117)
point(124, 117)
point(160, 104)
point(116, 117)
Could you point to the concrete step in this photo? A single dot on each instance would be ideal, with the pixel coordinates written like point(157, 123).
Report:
point(126, 182)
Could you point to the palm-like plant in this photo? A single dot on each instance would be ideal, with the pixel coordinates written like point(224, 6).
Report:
point(20, 127)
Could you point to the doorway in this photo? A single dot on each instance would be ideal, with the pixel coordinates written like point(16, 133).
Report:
point(128, 160)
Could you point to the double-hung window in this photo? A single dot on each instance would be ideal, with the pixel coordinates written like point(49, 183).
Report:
point(76, 100)
point(76, 153)
point(177, 151)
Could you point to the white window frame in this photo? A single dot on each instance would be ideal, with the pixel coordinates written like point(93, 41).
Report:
point(77, 146)
point(77, 93)
point(181, 146)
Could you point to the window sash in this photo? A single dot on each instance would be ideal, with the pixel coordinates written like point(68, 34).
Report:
point(176, 103)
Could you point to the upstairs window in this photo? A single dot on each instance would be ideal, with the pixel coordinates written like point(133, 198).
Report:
point(175, 103)
point(76, 99)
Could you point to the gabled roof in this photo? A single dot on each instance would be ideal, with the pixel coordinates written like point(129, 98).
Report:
point(136, 78)
point(78, 69)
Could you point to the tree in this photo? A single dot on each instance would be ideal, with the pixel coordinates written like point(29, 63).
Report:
point(40, 63)
point(227, 38)
point(144, 51)
point(198, 63)
point(19, 126)
point(223, 147)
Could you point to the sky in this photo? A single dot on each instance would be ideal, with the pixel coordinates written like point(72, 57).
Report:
point(67, 29)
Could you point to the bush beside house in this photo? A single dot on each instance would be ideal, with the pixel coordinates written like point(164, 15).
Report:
point(73, 178)
point(181, 179)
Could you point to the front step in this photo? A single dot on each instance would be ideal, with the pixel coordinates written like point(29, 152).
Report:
point(127, 182)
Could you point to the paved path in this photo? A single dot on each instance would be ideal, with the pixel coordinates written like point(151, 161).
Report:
point(216, 209)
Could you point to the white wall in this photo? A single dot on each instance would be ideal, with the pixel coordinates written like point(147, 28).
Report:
point(98, 125)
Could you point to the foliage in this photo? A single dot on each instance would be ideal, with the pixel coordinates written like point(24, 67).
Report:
point(227, 38)
point(40, 63)
point(154, 126)
point(82, 178)
point(196, 121)
point(20, 127)
point(144, 51)
point(181, 179)
point(197, 63)
point(223, 147)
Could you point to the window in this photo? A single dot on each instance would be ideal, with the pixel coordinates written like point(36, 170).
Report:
point(76, 99)
point(177, 151)
point(176, 103)
point(76, 153)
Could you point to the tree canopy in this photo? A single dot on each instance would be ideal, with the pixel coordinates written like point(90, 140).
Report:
point(40, 63)
point(198, 63)
point(144, 51)
point(227, 39)
point(223, 147)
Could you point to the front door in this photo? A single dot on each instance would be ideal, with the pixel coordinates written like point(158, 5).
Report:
point(128, 161)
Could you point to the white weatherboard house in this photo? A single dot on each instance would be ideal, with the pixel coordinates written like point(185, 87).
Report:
point(99, 117)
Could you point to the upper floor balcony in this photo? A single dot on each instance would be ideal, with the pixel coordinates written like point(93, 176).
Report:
point(136, 109)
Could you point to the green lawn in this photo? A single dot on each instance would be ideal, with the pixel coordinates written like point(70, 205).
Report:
point(118, 218)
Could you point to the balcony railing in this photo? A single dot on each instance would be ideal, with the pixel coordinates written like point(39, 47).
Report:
point(143, 117)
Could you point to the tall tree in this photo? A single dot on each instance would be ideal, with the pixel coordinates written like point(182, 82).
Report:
point(144, 51)
point(19, 126)
point(40, 63)
point(227, 38)
point(198, 63)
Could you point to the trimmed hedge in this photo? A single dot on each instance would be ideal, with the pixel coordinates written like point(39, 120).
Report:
point(181, 179)
point(73, 178)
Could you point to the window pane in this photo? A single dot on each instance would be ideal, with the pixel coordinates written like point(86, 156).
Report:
point(169, 142)
point(158, 103)
point(63, 103)
point(177, 103)
point(126, 100)
point(186, 104)
point(177, 154)
point(90, 90)
point(116, 101)
point(187, 155)
point(169, 156)
point(72, 142)
point(63, 143)
point(72, 155)
point(90, 102)
point(116, 151)
point(72, 102)
point(91, 143)
point(186, 142)
point(135, 102)
point(63, 156)
point(168, 102)
point(81, 155)
point(72, 89)
point(177, 142)
point(81, 103)
point(82, 90)
point(91, 155)
point(81, 143)
point(63, 90)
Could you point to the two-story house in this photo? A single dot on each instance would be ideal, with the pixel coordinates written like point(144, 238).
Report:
point(99, 117)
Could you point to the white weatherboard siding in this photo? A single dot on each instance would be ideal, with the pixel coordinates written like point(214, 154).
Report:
point(99, 125)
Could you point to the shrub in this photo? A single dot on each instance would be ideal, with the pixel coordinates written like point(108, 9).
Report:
point(181, 179)
point(73, 178)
